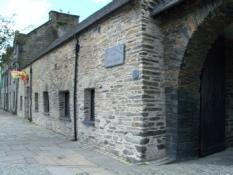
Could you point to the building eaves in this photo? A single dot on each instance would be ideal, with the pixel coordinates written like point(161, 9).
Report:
point(108, 9)
point(165, 5)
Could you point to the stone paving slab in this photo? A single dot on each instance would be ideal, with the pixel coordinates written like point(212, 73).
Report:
point(60, 171)
point(28, 149)
point(64, 159)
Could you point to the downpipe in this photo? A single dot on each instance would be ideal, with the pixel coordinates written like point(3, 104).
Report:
point(77, 47)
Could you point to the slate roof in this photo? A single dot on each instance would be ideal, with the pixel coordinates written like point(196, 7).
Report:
point(108, 9)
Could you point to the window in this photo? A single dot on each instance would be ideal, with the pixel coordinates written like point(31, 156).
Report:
point(46, 102)
point(3, 78)
point(9, 75)
point(67, 104)
point(14, 100)
point(64, 105)
point(36, 102)
point(21, 103)
point(89, 106)
point(99, 29)
point(7, 101)
point(92, 105)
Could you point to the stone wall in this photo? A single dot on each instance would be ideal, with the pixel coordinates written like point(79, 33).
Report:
point(27, 47)
point(129, 118)
point(9, 84)
point(118, 98)
point(143, 118)
point(129, 113)
point(188, 35)
point(151, 58)
point(23, 96)
point(53, 73)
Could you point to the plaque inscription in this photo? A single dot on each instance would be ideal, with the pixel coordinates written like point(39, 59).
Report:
point(114, 56)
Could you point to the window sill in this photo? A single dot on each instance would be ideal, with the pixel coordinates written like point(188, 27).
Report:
point(46, 113)
point(89, 123)
point(65, 119)
point(36, 110)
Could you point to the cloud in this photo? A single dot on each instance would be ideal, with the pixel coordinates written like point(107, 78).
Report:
point(28, 12)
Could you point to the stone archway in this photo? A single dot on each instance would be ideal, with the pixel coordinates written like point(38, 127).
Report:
point(183, 94)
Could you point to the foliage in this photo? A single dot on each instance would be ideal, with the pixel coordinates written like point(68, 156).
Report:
point(6, 32)
point(6, 37)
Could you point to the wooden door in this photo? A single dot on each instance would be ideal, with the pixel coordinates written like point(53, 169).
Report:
point(212, 120)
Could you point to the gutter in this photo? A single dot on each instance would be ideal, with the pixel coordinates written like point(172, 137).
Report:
point(165, 5)
point(77, 47)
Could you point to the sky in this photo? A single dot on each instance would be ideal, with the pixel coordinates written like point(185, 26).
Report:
point(34, 13)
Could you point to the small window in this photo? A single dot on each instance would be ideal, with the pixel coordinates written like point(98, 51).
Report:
point(14, 99)
point(99, 29)
point(36, 103)
point(6, 77)
point(3, 80)
point(9, 75)
point(21, 103)
point(89, 106)
point(67, 104)
point(92, 105)
point(46, 102)
point(64, 105)
point(7, 101)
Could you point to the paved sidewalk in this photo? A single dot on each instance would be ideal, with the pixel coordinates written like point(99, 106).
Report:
point(28, 149)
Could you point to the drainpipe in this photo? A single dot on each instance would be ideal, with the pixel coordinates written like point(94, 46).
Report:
point(7, 92)
point(30, 117)
point(16, 96)
point(16, 91)
point(4, 108)
point(75, 86)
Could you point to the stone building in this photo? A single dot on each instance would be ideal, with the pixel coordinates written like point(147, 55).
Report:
point(25, 49)
point(143, 79)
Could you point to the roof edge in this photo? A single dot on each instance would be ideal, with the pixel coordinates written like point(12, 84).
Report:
point(92, 19)
point(165, 6)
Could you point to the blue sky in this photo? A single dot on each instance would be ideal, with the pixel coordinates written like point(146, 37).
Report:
point(35, 12)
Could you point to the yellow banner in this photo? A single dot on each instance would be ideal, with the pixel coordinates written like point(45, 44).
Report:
point(18, 74)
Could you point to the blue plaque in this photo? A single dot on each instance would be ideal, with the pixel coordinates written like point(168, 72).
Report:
point(115, 56)
point(135, 74)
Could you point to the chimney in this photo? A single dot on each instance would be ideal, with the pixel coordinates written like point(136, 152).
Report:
point(63, 17)
point(62, 22)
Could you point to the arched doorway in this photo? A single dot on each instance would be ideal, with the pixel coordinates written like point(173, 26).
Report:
point(212, 110)
point(184, 100)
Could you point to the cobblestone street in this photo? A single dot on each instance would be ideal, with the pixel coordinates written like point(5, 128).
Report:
point(28, 149)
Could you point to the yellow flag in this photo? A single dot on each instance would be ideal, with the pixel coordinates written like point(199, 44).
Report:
point(18, 74)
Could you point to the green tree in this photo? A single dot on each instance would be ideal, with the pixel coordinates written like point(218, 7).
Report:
point(6, 35)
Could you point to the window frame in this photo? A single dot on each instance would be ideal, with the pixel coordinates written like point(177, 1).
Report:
point(36, 100)
point(46, 103)
point(89, 107)
point(21, 103)
point(67, 104)
point(14, 100)
point(64, 105)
